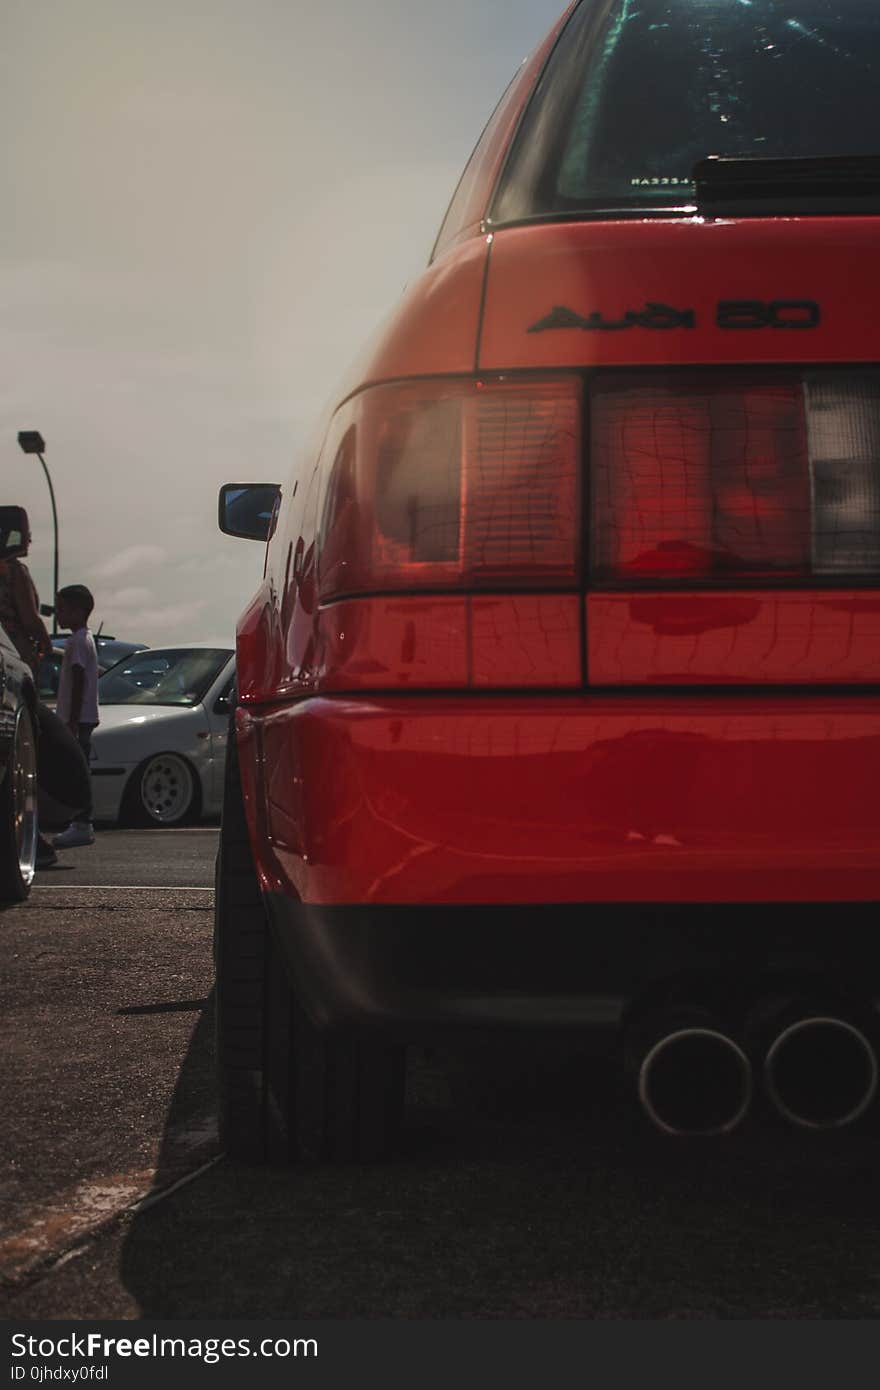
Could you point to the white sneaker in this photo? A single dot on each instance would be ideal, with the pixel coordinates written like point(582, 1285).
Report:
point(80, 832)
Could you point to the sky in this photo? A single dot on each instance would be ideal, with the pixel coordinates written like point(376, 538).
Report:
point(209, 205)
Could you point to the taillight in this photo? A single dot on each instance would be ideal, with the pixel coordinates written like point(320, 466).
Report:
point(696, 477)
point(721, 477)
point(454, 484)
point(843, 423)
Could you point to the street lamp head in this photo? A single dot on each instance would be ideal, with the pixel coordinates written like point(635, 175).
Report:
point(32, 442)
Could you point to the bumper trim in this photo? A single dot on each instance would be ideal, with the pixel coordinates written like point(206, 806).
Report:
point(419, 970)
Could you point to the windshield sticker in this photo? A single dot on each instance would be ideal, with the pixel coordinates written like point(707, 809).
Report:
point(656, 181)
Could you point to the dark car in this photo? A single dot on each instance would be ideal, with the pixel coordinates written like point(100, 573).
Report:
point(110, 650)
point(558, 700)
point(18, 774)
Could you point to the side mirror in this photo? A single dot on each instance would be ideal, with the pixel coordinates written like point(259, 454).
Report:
point(13, 530)
point(247, 509)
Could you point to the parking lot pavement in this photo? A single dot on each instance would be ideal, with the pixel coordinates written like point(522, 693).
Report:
point(167, 858)
point(526, 1183)
point(100, 989)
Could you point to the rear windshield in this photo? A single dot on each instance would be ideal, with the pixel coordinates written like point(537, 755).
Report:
point(169, 676)
point(638, 91)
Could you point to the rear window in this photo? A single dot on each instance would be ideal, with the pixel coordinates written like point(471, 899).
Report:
point(169, 676)
point(638, 91)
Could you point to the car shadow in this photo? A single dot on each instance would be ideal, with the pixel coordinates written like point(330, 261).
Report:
point(525, 1184)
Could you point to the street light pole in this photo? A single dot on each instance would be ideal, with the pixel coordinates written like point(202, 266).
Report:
point(32, 442)
point(55, 553)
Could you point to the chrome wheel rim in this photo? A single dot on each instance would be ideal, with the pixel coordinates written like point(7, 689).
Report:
point(166, 788)
point(24, 796)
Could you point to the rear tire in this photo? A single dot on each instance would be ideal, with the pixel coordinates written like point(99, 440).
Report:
point(287, 1092)
point(18, 812)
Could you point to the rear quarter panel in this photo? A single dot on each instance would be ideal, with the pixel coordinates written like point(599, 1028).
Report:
point(433, 332)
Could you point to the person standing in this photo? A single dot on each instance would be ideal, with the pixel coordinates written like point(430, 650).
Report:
point(77, 705)
point(20, 617)
point(19, 605)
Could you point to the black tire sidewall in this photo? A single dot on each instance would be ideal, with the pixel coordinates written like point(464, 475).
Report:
point(287, 1091)
point(240, 1005)
point(12, 885)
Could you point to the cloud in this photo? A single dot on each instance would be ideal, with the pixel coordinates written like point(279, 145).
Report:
point(132, 597)
point(133, 557)
point(164, 338)
point(174, 621)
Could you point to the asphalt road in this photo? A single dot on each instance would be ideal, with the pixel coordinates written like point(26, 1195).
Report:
point(139, 858)
point(526, 1184)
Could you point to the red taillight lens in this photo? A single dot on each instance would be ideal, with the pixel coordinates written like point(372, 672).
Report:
point(697, 478)
point(454, 484)
point(723, 476)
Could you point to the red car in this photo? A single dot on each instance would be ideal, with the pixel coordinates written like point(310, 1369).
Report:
point(558, 702)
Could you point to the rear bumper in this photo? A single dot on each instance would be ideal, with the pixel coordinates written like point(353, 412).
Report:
point(443, 862)
point(578, 799)
point(424, 970)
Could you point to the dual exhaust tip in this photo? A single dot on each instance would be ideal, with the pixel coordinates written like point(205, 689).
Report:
point(818, 1068)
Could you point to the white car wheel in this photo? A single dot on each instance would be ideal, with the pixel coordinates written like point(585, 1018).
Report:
point(166, 789)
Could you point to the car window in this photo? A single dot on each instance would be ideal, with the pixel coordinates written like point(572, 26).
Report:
point(463, 211)
point(637, 93)
point(110, 651)
point(178, 676)
point(49, 676)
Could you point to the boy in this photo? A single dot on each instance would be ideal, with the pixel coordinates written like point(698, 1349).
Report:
point(77, 705)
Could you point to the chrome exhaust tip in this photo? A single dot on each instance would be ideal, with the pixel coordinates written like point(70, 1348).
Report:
point(695, 1081)
point(821, 1072)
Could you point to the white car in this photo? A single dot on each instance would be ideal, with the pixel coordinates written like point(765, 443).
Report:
point(159, 752)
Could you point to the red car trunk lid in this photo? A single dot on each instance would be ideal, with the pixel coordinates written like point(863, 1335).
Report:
point(719, 550)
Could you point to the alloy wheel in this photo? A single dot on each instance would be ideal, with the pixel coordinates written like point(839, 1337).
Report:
point(24, 792)
point(166, 788)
